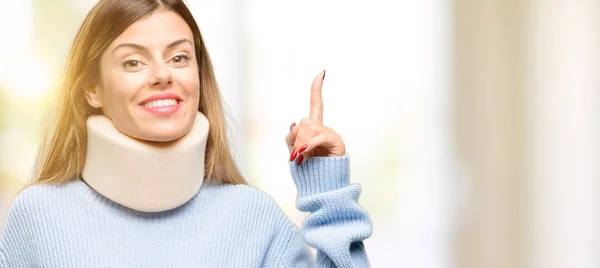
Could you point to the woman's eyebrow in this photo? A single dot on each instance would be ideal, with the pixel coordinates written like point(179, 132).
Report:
point(177, 42)
point(140, 47)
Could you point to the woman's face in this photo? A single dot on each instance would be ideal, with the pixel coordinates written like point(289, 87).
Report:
point(149, 84)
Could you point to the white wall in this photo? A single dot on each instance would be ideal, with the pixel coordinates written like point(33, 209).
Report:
point(564, 190)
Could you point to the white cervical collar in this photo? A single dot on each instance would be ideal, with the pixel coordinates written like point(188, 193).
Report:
point(145, 176)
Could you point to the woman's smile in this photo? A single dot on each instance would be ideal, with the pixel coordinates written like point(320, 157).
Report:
point(162, 104)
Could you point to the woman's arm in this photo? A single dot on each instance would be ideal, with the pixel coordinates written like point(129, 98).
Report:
point(19, 241)
point(337, 225)
point(3, 262)
point(16, 237)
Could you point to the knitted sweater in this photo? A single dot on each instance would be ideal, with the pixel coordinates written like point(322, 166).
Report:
point(223, 225)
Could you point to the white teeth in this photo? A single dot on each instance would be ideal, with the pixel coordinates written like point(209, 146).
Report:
point(160, 103)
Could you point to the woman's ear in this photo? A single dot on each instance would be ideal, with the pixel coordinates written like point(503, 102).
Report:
point(92, 97)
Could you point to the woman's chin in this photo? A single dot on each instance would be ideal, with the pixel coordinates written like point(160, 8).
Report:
point(164, 136)
point(161, 131)
point(161, 135)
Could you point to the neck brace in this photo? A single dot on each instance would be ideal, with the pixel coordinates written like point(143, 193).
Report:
point(145, 176)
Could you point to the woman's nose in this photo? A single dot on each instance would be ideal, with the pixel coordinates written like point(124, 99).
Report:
point(161, 75)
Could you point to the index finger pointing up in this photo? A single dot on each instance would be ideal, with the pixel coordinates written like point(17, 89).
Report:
point(316, 100)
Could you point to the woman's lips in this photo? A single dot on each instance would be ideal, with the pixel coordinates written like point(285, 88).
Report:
point(163, 110)
point(161, 96)
point(163, 103)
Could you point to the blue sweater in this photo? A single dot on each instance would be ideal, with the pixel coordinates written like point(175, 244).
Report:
point(72, 225)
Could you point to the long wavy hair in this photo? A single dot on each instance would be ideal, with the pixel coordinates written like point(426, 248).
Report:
point(61, 156)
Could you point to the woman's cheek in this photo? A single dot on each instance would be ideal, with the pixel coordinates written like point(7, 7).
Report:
point(132, 84)
point(190, 81)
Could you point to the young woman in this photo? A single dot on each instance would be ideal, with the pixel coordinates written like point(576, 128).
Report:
point(136, 171)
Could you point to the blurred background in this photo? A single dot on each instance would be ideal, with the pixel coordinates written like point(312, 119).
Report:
point(473, 126)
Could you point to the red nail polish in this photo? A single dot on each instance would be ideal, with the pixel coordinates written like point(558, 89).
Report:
point(300, 158)
point(294, 154)
point(303, 148)
point(323, 75)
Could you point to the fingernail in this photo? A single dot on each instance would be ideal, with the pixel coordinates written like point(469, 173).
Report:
point(294, 154)
point(292, 126)
point(303, 148)
point(323, 75)
point(300, 158)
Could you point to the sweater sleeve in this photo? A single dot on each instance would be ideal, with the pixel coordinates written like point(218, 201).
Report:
point(16, 239)
point(336, 225)
point(3, 262)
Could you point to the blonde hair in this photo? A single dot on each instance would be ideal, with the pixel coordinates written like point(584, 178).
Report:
point(61, 156)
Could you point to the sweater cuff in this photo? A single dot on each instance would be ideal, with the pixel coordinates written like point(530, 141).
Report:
point(321, 174)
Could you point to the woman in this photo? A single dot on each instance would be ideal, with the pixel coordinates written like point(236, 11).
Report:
point(137, 172)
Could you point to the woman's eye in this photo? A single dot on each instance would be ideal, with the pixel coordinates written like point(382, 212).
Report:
point(180, 59)
point(132, 64)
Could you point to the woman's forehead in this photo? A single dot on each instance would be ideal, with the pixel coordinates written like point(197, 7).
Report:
point(159, 29)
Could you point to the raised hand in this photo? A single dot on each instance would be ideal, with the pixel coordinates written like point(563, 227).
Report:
point(312, 138)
